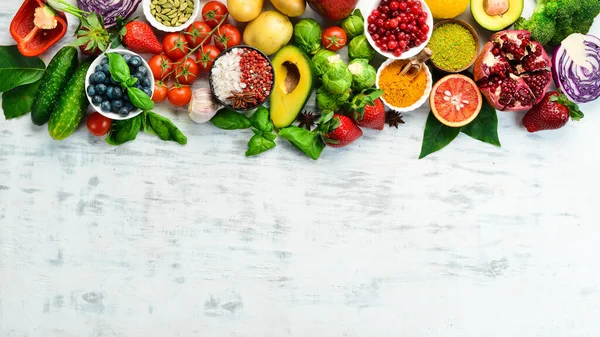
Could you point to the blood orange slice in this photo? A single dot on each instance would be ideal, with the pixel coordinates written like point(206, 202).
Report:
point(455, 100)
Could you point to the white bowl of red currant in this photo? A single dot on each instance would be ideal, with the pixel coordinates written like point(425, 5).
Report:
point(398, 29)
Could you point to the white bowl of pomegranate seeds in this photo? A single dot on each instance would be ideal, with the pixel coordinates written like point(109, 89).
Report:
point(399, 29)
point(242, 78)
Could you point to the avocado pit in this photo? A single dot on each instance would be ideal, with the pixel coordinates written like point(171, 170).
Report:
point(292, 78)
point(496, 7)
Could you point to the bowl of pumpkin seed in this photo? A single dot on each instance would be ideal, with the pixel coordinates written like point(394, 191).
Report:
point(171, 15)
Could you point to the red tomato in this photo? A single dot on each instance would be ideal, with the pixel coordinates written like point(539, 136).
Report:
point(160, 65)
point(197, 32)
point(179, 95)
point(175, 46)
point(333, 38)
point(187, 71)
point(98, 125)
point(160, 91)
point(213, 12)
point(227, 36)
point(206, 56)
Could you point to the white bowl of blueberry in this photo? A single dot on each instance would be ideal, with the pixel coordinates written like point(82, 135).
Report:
point(106, 95)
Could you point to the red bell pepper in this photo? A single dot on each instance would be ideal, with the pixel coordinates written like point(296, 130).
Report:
point(36, 27)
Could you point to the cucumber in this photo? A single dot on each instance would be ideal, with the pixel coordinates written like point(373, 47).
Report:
point(60, 69)
point(71, 105)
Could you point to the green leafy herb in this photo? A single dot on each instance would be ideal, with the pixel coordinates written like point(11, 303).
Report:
point(485, 126)
point(162, 127)
point(263, 139)
point(139, 99)
point(17, 70)
point(228, 119)
point(119, 70)
point(125, 130)
point(259, 144)
point(436, 136)
point(18, 101)
point(131, 82)
point(261, 121)
point(309, 142)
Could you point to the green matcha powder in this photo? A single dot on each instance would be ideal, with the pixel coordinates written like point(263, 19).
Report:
point(453, 47)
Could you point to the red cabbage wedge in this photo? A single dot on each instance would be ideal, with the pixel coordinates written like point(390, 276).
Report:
point(576, 67)
point(110, 9)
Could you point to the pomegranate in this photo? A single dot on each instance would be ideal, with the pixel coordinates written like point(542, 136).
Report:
point(512, 71)
point(334, 10)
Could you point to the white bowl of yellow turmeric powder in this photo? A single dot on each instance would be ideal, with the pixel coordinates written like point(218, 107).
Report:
point(403, 93)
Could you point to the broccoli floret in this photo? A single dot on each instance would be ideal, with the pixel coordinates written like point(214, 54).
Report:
point(542, 28)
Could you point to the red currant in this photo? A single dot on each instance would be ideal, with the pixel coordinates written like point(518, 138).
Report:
point(392, 45)
point(393, 23)
point(394, 5)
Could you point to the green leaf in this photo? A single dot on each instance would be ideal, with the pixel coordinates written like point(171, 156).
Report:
point(131, 81)
point(485, 126)
point(118, 67)
point(436, 136)
point(17, 70)
point(124, 131)
point(139, 99)
point(18, 101)
point(228, 119)
point(163, 128)
point(259, 144)
point(310, 143)
point(261, 121)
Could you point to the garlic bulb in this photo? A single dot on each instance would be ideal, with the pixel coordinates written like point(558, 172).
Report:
point(203, 106)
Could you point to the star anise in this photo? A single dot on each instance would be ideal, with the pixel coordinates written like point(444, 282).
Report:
point(242, 100)
point(394, 118)
point(307, 119)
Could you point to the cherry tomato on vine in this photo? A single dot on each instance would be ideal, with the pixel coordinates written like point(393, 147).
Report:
point(206, 56)
point(179, 95)
point(197, 32)
point(333, 38)
point(160, 65)
point(213, 12)
point(160, 91)
point(227, 36)
point(98, 125)
point(187, 71)
point(175, 46)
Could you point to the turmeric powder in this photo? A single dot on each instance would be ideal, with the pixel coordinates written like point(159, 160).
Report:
point(401, 91)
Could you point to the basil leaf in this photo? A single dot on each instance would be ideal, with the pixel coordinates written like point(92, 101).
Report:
point(436, 136)
point(259, 144)
point(139, 99)
point(131, 82)
point(17, 70)
point(270, 136)
point(310, 143)
point(124, 131)
point(261, 121)
point(164, 128)
point(18, 101)
point(118, 68)
point(228, 119)
point(485, 126)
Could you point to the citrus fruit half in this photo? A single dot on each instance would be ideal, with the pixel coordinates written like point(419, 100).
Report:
point(447, 9)
point(455, 100)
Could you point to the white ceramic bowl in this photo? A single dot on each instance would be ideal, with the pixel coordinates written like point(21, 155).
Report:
point(92, 70)
point(421, 100)
point(160, 26)
point(411, 52)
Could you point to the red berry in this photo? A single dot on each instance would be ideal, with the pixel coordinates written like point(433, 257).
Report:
point(402, 6)
point(398, 52)
point(394, 5)
point(392, 45)
point(393, 23)
point(425, 28)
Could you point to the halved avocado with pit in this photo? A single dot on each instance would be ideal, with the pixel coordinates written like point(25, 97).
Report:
point(496, 15)
point(294, 80)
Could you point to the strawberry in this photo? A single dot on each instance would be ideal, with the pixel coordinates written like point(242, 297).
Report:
point(338, 130)
point(92, 36)
point(551, 113)
point(139, 38)
point(366, 109)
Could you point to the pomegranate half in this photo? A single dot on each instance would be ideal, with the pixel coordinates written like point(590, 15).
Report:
point(513, 71)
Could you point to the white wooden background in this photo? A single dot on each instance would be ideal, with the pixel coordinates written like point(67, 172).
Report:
point(155, 239)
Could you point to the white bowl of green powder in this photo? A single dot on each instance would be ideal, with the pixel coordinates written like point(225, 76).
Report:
point(455, 46)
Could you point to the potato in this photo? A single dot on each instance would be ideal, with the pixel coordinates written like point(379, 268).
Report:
point(244, 10)
point(269, 32)
point(291, 8)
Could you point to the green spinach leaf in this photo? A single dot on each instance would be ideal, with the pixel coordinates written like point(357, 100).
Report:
point(119, 70)
point(17, 70)
point(261, 121)
point(18, 101)
point(259, 144)
point(228, 119)
point(485, 126)
point(436, 136)
point(125, 130)
point(139, 99)
point(163, 128)
point(310, 143)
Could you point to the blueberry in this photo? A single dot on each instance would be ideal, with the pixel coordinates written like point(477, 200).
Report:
point(105, 106)
point(93, 78)
point(147, 91)
point(100, 77)
point(97, 99)
point(127, 58)
point(129, 106)
point(105, 69)
point(135, 61)
point(104, 61)
point(123, 112)
point(110, 92)
point(126, 98)
point(117, 104)
point(91, 90)
point(101, 89)
point(113, 82)
point(146, 83)
point(139, 77)
point(142, 70)
point(98, 68)
point(117, 93)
